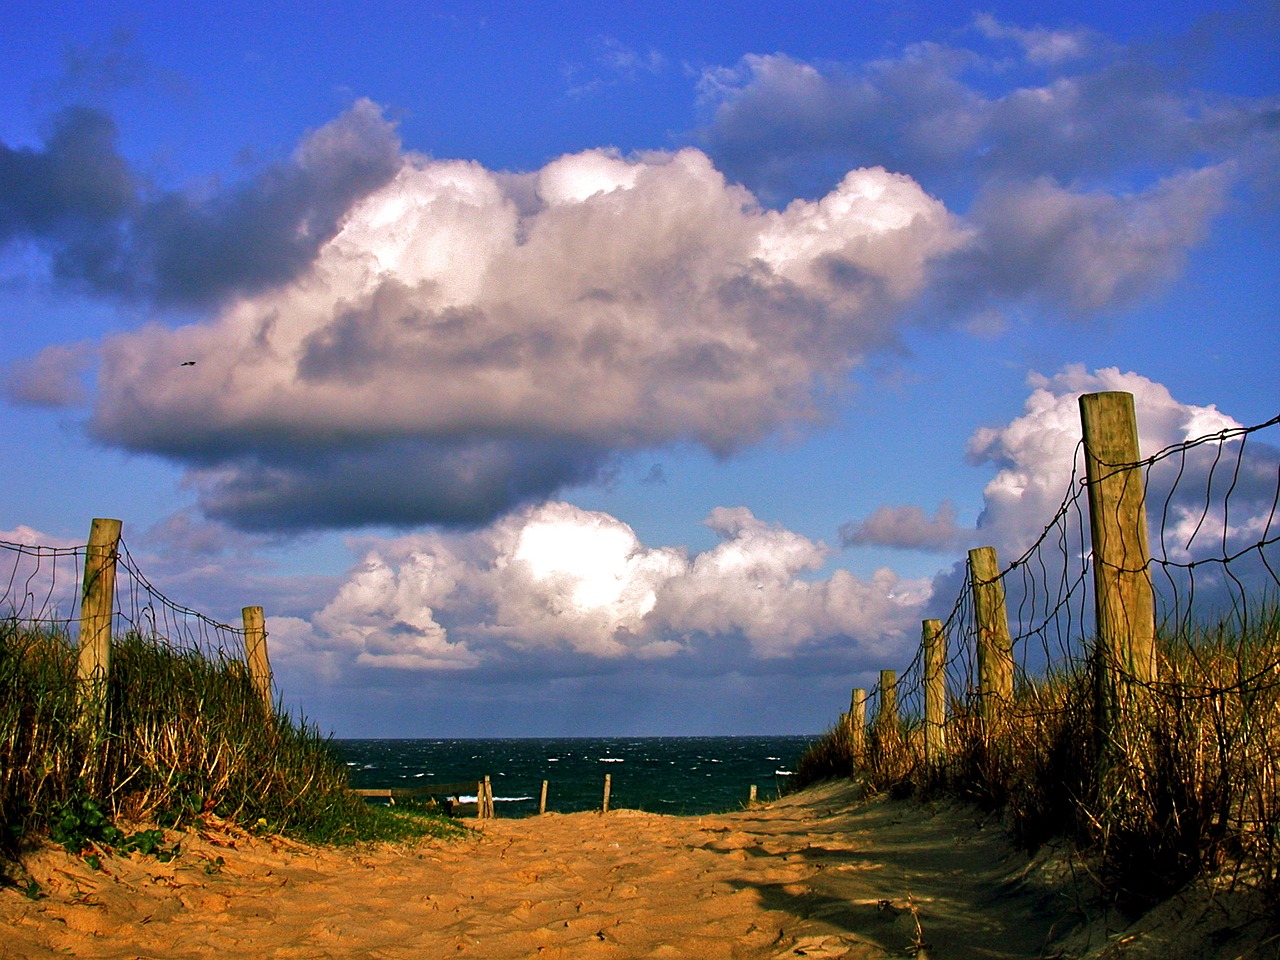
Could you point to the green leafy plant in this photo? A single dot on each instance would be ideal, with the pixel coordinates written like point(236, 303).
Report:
point(80, 821)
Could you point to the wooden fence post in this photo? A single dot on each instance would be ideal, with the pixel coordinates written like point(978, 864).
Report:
point(934, 642)
point(255, 653)
point(995, 650)
point(858, 724)
point(1124, 603)
point(256, 656)
point(97, 607)
point(542, 800)
point(887, 715)
point(608, 782)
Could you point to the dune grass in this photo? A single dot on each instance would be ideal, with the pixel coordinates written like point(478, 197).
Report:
point(1188, 786)
point(180, 736)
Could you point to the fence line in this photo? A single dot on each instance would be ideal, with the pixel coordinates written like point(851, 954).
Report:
point(1095, 613)
point(59, 590)
point(1049, 583)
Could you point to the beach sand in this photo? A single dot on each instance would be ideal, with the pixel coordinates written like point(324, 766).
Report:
point(818, 874)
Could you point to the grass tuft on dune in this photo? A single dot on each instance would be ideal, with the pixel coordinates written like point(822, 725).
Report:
point(1189, 787)
point(181, 735)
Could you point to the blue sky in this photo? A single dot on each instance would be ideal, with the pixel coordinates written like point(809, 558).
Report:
point(628, 368)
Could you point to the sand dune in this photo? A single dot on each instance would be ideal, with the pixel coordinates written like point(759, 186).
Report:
point(815, 875)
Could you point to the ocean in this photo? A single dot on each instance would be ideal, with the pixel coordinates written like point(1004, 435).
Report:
point(681, 775)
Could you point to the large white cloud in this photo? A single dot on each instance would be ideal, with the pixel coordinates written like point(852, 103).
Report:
point(1210, 506)
point(559, 580)
point(469, 340)
point(1035, 454)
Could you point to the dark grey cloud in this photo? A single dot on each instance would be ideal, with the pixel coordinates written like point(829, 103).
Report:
point(77, 187)
point(785, 127)
point(1085, 171)
point(460, 482)
point(108, 230)
point(1057, 104)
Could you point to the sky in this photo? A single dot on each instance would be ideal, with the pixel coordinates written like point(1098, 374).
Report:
point(612, 369)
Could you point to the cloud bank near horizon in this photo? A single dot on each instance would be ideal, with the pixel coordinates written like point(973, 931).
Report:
point(578, 586)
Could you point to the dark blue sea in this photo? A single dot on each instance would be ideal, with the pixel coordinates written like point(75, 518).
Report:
point(683, 775)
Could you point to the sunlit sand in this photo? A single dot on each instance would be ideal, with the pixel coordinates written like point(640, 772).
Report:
point(818, 874)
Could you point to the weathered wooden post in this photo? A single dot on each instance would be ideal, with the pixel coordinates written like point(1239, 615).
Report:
point(487, 810)
point(751, 797)
point(934, 642)
point(608, 782)
point(255, 652)
point(887, 715)
point(542, 800)
point(1123, 599)
point(858, 724)
point(97, 607)
point(995, 649)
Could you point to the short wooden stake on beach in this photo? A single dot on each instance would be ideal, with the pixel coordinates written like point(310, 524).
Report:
point(255, 652)
point(608, 783)
point(542, 800)
point(97, 607)
point(1124, 603)
point(995, 650)
point(751, 797)
point(934, 642)
point(486, 808)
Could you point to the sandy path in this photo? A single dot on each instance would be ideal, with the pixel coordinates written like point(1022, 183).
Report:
point(813, 875)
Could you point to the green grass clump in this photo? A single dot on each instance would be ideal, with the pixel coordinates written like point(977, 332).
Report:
point(179, 736)
point(1187, 786)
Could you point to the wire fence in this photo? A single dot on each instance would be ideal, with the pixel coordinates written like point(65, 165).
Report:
point(42, 589)
point(1139, 709)
point(1214, 559)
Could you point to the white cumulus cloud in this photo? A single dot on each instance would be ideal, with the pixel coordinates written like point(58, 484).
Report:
point(469, 341)
point(1035, 454)
point(559, 580)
